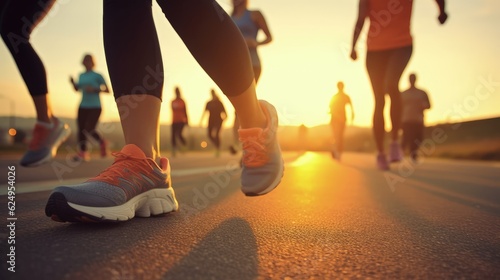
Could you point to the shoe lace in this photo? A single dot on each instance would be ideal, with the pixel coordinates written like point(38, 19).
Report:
point(123, 166)
point(255, 151)
point(39, 135)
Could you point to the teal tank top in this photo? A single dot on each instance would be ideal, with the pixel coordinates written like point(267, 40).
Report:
point(246, 25)
point(249, 30)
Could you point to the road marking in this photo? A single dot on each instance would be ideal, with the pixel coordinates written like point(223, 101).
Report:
point(201, 170)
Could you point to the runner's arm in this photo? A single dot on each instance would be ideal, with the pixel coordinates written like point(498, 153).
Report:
point(75, 85)
point(259, 19)
point(442, 12)
point(360, 22)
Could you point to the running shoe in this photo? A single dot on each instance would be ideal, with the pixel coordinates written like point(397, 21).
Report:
point(132, 186)
point(382, 163)
point(45, 142)
point(396, 154)
point(262, 163)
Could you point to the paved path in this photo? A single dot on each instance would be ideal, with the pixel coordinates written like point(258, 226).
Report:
point(439, 219)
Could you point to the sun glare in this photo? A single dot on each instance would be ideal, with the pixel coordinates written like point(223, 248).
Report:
point(12, 132)
point(203, 144)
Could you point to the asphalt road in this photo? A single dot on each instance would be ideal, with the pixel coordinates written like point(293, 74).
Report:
point(438, 219)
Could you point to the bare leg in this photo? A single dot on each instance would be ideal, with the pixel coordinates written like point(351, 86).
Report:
point(248, 109)
point(42, 107)
point(139, 116)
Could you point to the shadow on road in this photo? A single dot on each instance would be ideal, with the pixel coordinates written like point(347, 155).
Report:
point(227, 252)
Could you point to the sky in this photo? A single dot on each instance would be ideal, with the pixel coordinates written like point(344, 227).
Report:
point(456, 63)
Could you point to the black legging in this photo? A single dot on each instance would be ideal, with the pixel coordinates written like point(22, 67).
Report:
point(177, 133)
point(214, 126)
point(413, 134)
point(87, 122)
point(17, 21)
point(133, 51)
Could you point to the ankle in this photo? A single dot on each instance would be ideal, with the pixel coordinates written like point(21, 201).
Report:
point(260, 121)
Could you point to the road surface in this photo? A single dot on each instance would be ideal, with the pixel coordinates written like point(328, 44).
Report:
point(438, 219)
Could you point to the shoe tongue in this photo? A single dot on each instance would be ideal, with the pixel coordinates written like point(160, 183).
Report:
point(247, 132)
point(133, 150)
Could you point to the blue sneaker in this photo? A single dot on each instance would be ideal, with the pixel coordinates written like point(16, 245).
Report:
point(262, 163)
point(133, 185)
point(45, 142)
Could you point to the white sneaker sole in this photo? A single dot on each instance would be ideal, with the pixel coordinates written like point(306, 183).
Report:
point(147, 204)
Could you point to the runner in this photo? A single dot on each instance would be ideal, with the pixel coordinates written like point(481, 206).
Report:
point(338, 119)
point(217, 114)
point(390, 46)
point(179, 120)
point(91, 84)
point(415, 102)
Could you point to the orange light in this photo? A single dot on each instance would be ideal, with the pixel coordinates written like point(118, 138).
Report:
point(203, 144)
point(12, 132)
